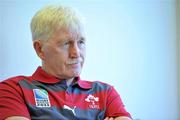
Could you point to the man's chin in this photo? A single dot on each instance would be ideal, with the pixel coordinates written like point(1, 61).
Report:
point(75, 74)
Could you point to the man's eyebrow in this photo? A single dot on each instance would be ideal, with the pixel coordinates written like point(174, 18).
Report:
point(61, 41)
point(68, 39)
point(65, 39)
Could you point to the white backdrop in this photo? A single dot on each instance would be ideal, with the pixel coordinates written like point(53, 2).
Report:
point(131, 44)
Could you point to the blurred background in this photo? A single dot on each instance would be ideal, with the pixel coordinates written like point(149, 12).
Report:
point(131, 44)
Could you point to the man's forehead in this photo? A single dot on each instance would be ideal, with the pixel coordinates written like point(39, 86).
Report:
point(71, 32)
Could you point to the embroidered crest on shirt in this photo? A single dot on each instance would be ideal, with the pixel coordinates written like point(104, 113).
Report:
point(41, 98)
point(93, 101)
point(71, 109)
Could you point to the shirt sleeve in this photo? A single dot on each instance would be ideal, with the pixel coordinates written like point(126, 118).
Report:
point(114, 105)
point(11, 101)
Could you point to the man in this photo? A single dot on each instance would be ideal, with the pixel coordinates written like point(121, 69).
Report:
point(55, 91)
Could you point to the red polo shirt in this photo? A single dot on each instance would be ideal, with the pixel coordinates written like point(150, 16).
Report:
point(42, 96)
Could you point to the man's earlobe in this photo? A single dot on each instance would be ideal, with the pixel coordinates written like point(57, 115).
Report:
point(38, 48)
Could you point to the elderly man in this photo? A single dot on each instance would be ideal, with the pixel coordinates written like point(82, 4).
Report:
point(55, 91)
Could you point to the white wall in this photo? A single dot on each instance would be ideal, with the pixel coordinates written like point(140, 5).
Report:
point(131, 45)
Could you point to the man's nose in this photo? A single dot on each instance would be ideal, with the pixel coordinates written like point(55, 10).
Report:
point(74, 51)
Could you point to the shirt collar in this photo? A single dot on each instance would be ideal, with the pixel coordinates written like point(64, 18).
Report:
point(84, 84)
point(41, 76)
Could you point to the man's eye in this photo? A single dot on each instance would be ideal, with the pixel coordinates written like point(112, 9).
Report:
point(66, 43)
point(81, 42)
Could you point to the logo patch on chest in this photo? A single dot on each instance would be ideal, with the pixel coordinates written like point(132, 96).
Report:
point(41, 98)
point(93, 101)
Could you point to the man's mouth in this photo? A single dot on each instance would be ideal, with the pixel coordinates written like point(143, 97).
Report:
point(74, 61)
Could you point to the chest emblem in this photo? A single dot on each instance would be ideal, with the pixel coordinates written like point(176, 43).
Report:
point(41, 98)
point(93, 101)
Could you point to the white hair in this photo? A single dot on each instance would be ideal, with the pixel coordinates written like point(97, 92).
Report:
point(52, 18)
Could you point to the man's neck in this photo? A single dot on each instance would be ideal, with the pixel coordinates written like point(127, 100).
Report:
point(69, 81)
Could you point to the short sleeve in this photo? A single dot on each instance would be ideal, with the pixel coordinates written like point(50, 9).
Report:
point(11, 101)
point(114, 105)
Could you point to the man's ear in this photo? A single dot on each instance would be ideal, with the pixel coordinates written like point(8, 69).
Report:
point(38, 48)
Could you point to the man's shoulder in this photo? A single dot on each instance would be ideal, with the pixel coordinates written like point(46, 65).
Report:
point(14, 80)
point(11, 86)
